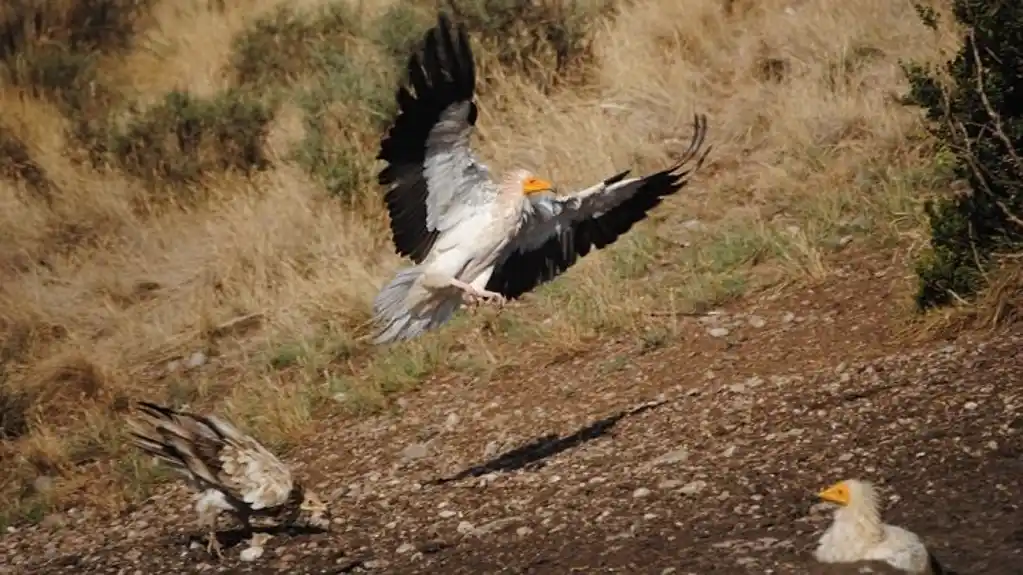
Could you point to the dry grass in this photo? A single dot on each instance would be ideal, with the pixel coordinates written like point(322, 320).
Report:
point(269, 278)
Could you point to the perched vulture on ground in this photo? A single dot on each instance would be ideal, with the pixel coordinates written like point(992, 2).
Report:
point(232, 471)
point(858, 535)
point(469, 235)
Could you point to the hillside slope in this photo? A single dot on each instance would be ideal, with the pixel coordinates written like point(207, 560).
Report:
point(702, 457)
point(189, 215)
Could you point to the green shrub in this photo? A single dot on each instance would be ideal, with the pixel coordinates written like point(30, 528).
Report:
point(345, 110)
point(50, 46)
point(186, 137)
point(547, 41)
point(284, 45)
point(979, 118)
point(399, 30)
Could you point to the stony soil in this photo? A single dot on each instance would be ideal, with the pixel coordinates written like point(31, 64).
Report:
point(700, 456)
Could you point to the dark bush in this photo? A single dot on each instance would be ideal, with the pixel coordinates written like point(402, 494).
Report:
point(284, 45)
point(344, 111)
point(14, 407)
point(399, 30)
point(49, 46)
point(980, 119)
point(186, 137)
point(547, 41)
point(16, 164)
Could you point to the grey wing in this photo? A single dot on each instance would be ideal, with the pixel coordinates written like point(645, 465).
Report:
point(561, 230)
point(431, 172)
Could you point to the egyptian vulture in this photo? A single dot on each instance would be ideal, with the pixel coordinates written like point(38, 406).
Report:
point(473, 237)
point(232, 471)
point(858, 534)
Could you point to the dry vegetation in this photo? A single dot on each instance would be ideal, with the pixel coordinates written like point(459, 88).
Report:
point(189, 212)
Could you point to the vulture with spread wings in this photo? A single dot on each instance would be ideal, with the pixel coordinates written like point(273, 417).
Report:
point(477, 238)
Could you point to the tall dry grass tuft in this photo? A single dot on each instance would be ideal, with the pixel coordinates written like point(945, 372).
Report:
point(248, 291)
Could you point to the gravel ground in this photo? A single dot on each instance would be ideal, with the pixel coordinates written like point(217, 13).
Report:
point(702, 456)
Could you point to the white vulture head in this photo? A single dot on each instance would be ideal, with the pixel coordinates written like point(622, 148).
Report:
point(858, 534)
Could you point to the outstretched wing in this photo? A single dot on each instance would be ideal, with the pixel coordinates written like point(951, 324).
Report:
point(213, 453)
point(432, 177)
point(560, 230)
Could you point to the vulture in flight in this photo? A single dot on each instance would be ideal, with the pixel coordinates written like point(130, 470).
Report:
point(474, 237)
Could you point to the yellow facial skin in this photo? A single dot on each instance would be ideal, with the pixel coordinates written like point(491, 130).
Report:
point(534, 185)
point(837, 493)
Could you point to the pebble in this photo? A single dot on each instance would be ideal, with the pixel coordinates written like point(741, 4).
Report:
point(718, 331)
point(197, 359)
point(641, 492)
point(415, 451)
point(447, 514)
point(43, 484)
point(675, 456)
point(251, 553)
point(523, 531)
point(756, 321)
point(694, 487)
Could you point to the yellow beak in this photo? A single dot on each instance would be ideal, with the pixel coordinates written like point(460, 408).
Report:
point(536, 186)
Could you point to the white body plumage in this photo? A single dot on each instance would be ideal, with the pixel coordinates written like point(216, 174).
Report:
point(858, 533)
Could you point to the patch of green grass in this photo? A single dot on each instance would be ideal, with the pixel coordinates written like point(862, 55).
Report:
point(285, 46)
point(186, 137)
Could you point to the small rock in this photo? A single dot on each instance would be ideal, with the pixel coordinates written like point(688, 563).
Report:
point(669, 484)
point(756, 321)
point(447, 514)
point(197, 359)
point(405, 548)
point(452, 421)
point(845, 457)
point(415, 451)
point(523, 531)
point(970, 405)
point(789, 317)
point(677, 456)
point(641, 492)
point(251, 553)
point(43, 484)
point(495, 525)
point(464, 527)
point(718, 331)
point(693, 487)
point(52, 521)
point(491, 449)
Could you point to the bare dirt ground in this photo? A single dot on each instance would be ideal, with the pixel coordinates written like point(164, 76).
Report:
point(699, 456)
